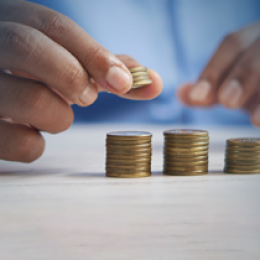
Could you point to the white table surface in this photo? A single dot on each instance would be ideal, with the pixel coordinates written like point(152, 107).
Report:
point(63, 207)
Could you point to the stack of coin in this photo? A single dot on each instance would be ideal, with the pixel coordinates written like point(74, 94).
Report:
point(140, 77)
point(242, 155)
point(128, 154)
point(185, 152)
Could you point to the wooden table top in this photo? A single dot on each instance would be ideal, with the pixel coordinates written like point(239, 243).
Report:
point(63, 207)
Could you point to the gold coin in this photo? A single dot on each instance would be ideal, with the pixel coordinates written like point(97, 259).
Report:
point(244, 141)
point(173, 173)
point(245, 168)
point(243, 158)
point(141, 83)
point(129, 159)
point(127, 175)
point(129, 135)
point(129, 153)
point(243, 148)
point(184, 153)
point(185, 149)
point(186, 132)
point(185, 158)
point(186, 169)
point(185, 139)
point(140, 78)
point(185, 144)
point(127, 142)
point(197, 163)
point(127, 163)
point(137, 69)
point(242, 153)
point(130, 147)
point(139, 73)
point(242, 163)
point(238, 171)
point(129, 169)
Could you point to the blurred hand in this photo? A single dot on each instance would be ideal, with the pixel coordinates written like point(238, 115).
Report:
point(54, 63)
point(232, 76)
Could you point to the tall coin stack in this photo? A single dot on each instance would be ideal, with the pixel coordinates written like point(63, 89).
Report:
point(140, 77)
point(185, 152)
point(242, 155)
point(128, 154)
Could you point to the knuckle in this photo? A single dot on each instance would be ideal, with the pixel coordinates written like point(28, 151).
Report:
point(95, 55)
point(52, 23)
point(75, 79)
point(30, 148)
point(19, 41)
point(232, 41)
point(63, 121)
point(40, 100)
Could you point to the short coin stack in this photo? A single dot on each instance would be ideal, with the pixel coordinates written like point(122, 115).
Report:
point(242, 155)
point(186, 152)
point(140, 77)
point(128, 154)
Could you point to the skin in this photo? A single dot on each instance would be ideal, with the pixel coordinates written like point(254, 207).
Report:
point(53, 63)
point(232, 76)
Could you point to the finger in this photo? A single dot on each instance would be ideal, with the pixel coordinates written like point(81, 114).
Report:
point(19, 142)
point(204, 92)
point(243, 80)
point(183, 93)
point(144, 93)
point(24, 48)
point(107, 70)
point(30, 102)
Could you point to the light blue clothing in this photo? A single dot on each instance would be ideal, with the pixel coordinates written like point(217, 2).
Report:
point(176, 38)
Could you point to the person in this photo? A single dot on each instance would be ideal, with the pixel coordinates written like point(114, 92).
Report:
point(49, 62)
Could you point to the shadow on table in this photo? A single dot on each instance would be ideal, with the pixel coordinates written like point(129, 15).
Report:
point(31, 173)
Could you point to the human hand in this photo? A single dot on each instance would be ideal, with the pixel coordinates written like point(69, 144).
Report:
point(54, 63)
point(232, 76)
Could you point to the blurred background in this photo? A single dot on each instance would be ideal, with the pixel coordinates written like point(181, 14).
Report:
point(174, 37)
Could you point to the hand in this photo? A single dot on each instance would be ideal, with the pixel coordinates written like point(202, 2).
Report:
point(232, 76)
point(54, 63)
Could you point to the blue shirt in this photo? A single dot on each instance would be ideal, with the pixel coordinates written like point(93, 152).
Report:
point(174, 37)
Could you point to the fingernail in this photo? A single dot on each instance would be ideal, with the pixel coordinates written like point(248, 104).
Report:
point(87, 97)
point(118, 78)
point(256, 116)
point(200, 91)
point(231, 94)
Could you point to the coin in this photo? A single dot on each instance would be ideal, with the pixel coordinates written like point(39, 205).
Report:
point(243, 163)
point(238, 171)
point(243, 148)
point(139, 73)
point(241, 167)
point(137, 69)
point(140, 78)
point(173, 173)
point(127, 142)
point(142, 83)
point(127, 175)
point(191, 153)
point(129, 147)
point(129, 158)
point(186, 168)
point(243, 153)
point(196, 163)
point(129, 135)
point(185, 144)
point(185, 158)
point(185, 149)
point(127, 163)
point(244, 142)
point(186, 132)
point(238, 157)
